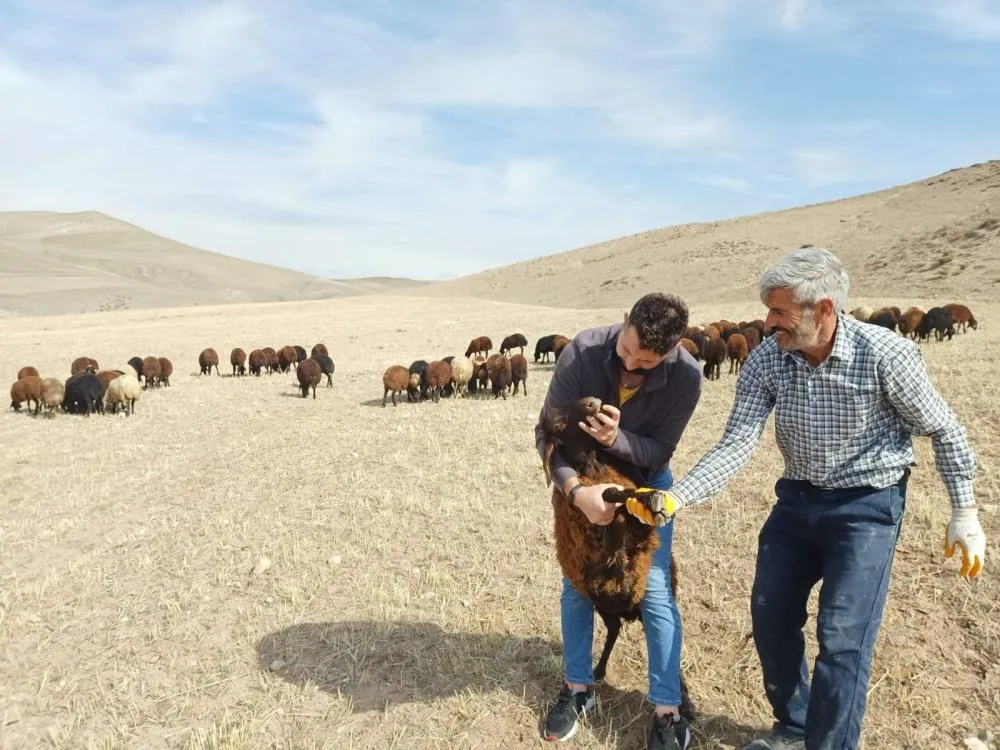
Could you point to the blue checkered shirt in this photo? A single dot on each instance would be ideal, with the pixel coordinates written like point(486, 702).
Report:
point(846, 423)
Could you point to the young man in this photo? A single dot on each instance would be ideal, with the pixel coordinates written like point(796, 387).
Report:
point(655, 384)
point(847, 397)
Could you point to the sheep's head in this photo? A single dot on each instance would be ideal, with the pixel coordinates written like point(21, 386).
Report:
point(560, 424)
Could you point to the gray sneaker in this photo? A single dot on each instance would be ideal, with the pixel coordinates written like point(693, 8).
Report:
point(777, 741)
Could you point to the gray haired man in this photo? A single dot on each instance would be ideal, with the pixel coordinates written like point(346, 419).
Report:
point(847, 397)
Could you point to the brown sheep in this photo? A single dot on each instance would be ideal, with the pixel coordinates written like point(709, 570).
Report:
point(238, 359)
point(752, 335)
point(500, 375)
point(257, 361)
point(106, 376)
point(395, 380)
point(26, 389)
point(53, 393)
point(437, 376)
point(166, 370)
point(26, 371)
point(319, 349)
point(909, 321)
point(151, 371)
point(558, 344)
point(690, 346)
point(608, 565)
point(962, 316)
point(479, 344)
point(208, 359)
point(309, 373)
point(715, 354)
point(519, 373)
point(736, 348)
point(712, 332)
point(691, 330)
point(287, 356)
point(82, 364)
point(272, 359)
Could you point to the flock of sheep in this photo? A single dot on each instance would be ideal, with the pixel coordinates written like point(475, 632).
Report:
point(88, 389)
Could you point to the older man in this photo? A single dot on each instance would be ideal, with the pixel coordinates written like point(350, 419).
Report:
point(847, 397)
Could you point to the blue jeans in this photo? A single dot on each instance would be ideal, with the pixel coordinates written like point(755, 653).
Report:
point(660, 618)
point(848, 539)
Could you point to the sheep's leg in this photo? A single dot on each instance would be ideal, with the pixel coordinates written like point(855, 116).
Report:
point(614, 625)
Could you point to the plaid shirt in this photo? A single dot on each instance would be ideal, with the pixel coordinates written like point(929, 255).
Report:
point(845, 423)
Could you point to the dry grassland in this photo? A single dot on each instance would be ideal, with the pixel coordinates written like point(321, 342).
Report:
point(412, 595)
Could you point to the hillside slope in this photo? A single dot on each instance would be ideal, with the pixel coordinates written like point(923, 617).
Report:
point(55, 263)
point(935, 238)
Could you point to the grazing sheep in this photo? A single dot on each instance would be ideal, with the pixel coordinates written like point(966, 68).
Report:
point(938, 320)
point(962, 316)
point(727, 332)
point(712, 332)
point(437, 375)
point(500, 375)
point(608, 565)
point(479, 344)
point(287, 356)
point(273, 364)
point(692, 348)
point(509, 342)
point(417, 389)
point(82, 364)
point(238, 359)
point(319, 349)
point(208, 359)
point(737, 349)
point(560, 343)
point(462, 370)
point(27, 389)
point(84, 394)
point(309, 374)
point(53, 393)
point(909, 321)
point(300, 353)
point(701, 341)
point(544, 347)
point(151, 371)
point(396, 379)
point(326, 366)
point(716, 352)
point(136, 364)
point(106, 376)
point(519, 373)
point(752, 335)
point(27, 371)
point(125, 391)
point(166, 370)
point(862, 313)
point(883, 317)
point(258, 361)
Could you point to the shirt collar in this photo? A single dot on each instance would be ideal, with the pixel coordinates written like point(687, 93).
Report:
point(655, 379)
point(843, 343)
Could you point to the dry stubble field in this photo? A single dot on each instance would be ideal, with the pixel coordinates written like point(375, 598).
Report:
point(412, 595)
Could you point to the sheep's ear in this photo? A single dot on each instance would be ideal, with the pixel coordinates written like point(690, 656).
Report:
point(550, 448)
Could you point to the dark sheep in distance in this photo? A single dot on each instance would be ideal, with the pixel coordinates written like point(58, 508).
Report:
point(257, 361)
point(500, 375)
point(909, 321)
point(287, 356)
point(962, 316)
point(326, 367)
point(543, 347)
point(319, 349)
point(271, 359)
point(519, 373)
point(701, 341)
point(417, 387)
point(136, 364)
point(166, 370)
point(939, 321)
point(716, 352)
point(208, 359)
point(238, 359)
point(396, 379)
point(309, 374)
point(438, 375)
point(608, 565)
point(479, 344)
point(752, 335)
point(509, 342)
point(300, 353)
point(883, 318)
point(560, 343)
point(25, 372)
point(84, 394)
point(151, 371)
point(736, 349)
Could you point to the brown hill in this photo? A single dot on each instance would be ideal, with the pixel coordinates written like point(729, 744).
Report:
point(56, 263)
point(935, 238)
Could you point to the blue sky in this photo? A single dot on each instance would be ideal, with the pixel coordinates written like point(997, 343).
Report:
point(432, 139)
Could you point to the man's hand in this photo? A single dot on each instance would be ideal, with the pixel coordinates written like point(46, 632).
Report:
point(603, 425)
point(590, 502)
point(965, 532)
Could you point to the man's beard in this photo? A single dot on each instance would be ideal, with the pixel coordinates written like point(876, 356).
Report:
point(805, 335)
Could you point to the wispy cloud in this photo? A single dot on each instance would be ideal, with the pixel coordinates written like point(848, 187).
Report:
point(392, 138)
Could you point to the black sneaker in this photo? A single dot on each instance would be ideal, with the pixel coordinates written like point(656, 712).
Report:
point(777, 741)
point(669, 732)
point(561, 723)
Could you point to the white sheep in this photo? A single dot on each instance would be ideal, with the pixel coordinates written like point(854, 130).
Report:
point(125, 390)
point(461, 373)
point(53, 392)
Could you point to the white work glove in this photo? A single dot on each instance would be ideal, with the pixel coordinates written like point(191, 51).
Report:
point(965, 531)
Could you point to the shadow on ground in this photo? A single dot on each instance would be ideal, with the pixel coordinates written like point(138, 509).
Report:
point(376, 665)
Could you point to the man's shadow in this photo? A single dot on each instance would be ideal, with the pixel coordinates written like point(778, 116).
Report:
point(379, 664)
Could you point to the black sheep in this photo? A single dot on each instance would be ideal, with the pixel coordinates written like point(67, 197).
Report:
point(325, 366)
point(84, 394)
point(515, 339)
point(544, 347)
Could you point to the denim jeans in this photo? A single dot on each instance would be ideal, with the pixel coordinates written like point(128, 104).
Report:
point(660, 618)
point(847, 538)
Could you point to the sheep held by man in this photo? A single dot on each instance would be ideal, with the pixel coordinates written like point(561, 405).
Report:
point(395, 380)
point(123, 391)
point(608, 565)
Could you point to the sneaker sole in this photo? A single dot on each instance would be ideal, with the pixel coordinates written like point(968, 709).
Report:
point(552, 738)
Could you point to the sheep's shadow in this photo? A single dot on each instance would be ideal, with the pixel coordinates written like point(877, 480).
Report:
point(401, 401)
point(376, 665)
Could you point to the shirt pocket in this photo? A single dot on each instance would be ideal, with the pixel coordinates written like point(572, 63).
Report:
point(841, 410)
